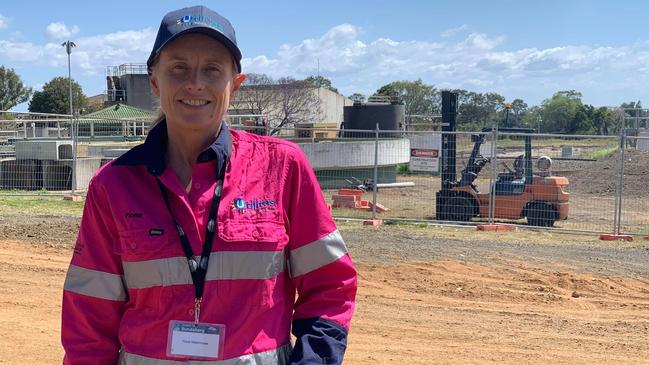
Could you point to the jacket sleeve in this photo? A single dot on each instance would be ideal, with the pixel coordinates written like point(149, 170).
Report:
point(94, 294)
point(321, 270)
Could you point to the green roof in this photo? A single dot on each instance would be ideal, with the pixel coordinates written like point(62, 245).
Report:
point(121, 111)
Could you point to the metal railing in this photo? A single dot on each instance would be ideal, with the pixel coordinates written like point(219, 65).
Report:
point(127, 69)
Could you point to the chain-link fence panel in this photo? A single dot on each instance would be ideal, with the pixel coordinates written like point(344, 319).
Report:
point(566, 182)
point(634, 195)
point(36, 153)
point(557, 181)
point(54, 154)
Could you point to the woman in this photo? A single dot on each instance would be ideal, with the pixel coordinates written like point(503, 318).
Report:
point(193, 245)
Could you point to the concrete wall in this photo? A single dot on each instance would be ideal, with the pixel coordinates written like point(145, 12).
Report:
point(643, 141)
point(43, 149)
point(107, 151)
point(356, 154)
point(138, 92)
point(331, 106)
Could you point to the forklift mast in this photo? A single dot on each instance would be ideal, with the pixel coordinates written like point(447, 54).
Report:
point(472, 169)
point(528, 147)
point(449, 115)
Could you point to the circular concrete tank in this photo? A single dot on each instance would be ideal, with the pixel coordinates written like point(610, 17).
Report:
point(336, 163)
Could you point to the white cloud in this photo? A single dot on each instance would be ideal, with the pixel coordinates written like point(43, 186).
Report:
point(20, 51)
point(92, 54)
point(479, 41)
point(476, 62)
point(453, 31)
point(4, 22)
point(60, 31)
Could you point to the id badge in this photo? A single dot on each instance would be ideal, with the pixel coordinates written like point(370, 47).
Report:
point(195, 340)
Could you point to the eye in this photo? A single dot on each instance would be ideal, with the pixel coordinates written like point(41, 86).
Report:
point(179, 67)
point(213, 68)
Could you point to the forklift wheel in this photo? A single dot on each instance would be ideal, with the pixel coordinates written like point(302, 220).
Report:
point(460, 209)
point(541, 215)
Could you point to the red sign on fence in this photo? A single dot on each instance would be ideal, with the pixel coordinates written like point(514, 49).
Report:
point(418, 152)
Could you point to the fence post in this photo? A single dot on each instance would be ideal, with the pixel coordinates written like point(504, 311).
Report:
point(376, 170)
point(617, 221)
point(494, 174)
point(74, 126)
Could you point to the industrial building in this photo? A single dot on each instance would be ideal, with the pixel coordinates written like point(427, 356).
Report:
point(129, 84)
point(328, 116)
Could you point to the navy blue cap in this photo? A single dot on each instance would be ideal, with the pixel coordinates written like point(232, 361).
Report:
point(196, 19)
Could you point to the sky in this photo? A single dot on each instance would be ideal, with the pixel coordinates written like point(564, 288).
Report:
point(519, 49)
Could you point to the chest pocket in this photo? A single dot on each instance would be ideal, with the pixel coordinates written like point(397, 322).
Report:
point(261, 233)
point(143, 244)
point(252, 262)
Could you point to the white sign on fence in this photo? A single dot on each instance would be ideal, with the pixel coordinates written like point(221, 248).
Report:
point(424, 152)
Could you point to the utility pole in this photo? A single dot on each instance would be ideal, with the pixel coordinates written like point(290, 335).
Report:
point(68, 48)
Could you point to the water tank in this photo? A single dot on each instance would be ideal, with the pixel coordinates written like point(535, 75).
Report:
point(390, 117)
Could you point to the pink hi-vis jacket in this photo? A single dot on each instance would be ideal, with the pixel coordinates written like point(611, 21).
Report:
point(129, 276)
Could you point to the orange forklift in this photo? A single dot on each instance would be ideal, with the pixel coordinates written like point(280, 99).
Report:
point(519, 192)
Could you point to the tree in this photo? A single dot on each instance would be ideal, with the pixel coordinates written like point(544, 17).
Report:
point(55, 97)
point(581, 122)
point(633, 113)
point(257, 94)
point(92, 107)
point(519, 107)
point(417, 97)
point(12, 90)
point(357, 97)
point(559, 113)
point(296, 103)
point(604, 119)
point(320, 81)
point(285, 101)
point(476, 110)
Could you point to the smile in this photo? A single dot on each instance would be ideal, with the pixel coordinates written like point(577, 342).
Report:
point(194, 102)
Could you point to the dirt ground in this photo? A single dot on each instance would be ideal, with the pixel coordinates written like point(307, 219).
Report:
point(427, 295)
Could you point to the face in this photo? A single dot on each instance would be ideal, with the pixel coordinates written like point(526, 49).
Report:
point(195, 78)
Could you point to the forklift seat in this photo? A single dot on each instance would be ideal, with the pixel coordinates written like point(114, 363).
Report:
point(510, 187)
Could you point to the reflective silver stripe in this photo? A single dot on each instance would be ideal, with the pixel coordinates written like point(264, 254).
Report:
point(279, 356)
point(225, 265)
point(317, 254)
point(94, 283)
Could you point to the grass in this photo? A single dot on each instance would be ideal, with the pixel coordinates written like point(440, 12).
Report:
point(55, 206)
point(522, 236)
point(603, 153)
point(538, 142)
point(39, 205)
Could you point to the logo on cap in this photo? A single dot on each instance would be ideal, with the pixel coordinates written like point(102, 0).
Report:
point(199, 19)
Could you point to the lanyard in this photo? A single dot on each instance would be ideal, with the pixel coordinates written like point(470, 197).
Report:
point(198, 269)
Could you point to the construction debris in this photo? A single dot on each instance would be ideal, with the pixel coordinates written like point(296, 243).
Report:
point(353, 198)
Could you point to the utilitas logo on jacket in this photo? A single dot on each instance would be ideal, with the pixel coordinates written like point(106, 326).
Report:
point(255, 205)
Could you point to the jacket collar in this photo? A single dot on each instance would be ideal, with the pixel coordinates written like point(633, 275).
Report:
point(152, 152)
